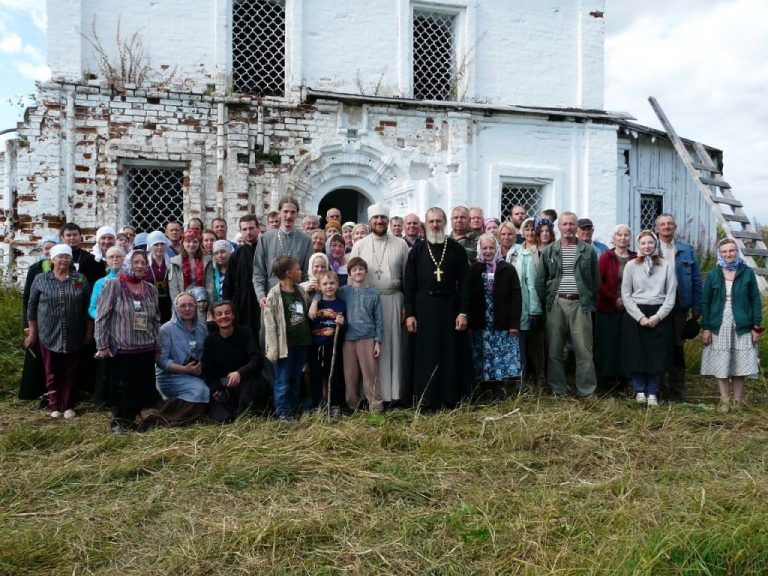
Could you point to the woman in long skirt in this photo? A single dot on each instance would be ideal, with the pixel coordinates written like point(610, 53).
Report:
point(731, 315)
point(494, 313)
point(648, 289)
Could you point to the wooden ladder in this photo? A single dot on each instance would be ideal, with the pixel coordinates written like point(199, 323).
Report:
point(717, 193)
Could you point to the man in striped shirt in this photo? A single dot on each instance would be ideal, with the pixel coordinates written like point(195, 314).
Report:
point(567, 280)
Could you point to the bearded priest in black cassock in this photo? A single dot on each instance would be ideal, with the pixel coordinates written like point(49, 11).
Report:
point(436, 305)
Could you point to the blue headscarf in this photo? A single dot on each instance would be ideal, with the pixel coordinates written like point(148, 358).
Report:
point(736, 264)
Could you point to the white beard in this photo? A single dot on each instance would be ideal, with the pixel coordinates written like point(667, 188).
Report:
point(435, 237)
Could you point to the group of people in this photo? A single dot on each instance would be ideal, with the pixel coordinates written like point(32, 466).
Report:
point(168, 326)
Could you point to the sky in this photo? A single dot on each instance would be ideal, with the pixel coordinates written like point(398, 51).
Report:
point(706, 62)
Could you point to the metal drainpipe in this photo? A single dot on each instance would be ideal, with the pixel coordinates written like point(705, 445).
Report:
point(221, 142)
point(69, 161)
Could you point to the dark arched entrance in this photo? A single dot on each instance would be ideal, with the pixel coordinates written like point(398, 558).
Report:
point(353, 205)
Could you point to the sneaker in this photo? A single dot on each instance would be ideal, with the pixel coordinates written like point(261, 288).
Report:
point(286, 419)
point(652, 401)
point(56, 414)
point(640, 398)
point(69, 414)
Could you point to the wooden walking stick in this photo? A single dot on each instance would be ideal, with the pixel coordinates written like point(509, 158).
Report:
point(333, 365)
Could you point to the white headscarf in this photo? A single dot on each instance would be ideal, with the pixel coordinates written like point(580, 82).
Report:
point(103, 231)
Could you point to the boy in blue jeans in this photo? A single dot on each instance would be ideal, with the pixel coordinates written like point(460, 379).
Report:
point(327, 316)
point(286, 335)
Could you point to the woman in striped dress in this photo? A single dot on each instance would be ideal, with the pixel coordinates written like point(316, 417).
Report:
point(731, 314)
point(127, 327)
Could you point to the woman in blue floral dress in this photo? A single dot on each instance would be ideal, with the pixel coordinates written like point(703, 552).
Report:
point(494, 313)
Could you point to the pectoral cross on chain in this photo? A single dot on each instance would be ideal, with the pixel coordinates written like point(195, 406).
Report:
point(438, 274)
point(379, 272)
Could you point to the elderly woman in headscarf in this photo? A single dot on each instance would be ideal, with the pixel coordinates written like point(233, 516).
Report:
point(202, 302)
point(359, 232)
point(335, 249)
point(491, 225)
point(317, 263)
point(222, 250)
point(58, 317)
point(494, 313)
point(32, 383)
point(114, 257)
point(190, 267)
point(127, 326)
point(105, 239)
point(731, 318)
point(157, 271)
point(179, 367)
point(648, 288)
point(346, 233)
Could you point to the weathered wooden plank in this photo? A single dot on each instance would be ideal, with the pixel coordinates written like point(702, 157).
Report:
point(736, 218)
point(761, 271)
point(745, 235)
point(703, 155)
point(724, 200)
point(700, 166)
point(754, 252)
point(714, 182)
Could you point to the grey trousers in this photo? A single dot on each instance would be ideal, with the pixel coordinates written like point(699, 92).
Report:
point(569, 317)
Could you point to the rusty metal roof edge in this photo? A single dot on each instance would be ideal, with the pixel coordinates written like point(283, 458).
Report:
point(312, 94)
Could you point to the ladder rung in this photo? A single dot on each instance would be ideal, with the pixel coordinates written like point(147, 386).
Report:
point(703, 155)
point(744, 235)
point(736, 218)
point(754, 252)
point(700, 166)
point(714, 182)
point(761, 271)
point(729, 201)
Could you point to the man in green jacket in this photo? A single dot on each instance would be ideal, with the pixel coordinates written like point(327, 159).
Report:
point(567, 281)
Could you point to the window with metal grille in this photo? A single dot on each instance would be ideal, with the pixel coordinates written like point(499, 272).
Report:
point(525, 195)
point(258, 47)
point(651, 206)
point(434, 56)
point(155, 196)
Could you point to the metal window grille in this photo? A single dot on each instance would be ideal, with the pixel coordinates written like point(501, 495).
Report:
point(524, 195)
point(258, 47)
point(155, 195)
point(434, 63)
point(651, 206)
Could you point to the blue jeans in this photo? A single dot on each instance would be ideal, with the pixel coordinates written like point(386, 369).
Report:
point(646, 383)
point(287, 379)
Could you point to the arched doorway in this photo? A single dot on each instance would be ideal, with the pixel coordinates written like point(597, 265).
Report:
point(352, 203)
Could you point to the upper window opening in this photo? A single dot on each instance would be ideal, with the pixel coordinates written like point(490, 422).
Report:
point(258, 47)
point(434, 56)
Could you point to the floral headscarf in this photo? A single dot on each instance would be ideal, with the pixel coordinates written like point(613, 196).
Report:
point(490, 265)
point(127, 272)
point(736, 264)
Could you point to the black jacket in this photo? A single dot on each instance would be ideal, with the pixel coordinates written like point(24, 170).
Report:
point(507, 297)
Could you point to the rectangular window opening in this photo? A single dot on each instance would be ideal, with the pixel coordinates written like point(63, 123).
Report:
point(434, 56)
point(526, 195)
point(258, 47)
point(154, 196)
point(651, 206)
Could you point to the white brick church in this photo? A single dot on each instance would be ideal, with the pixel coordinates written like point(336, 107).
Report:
point(167, 108)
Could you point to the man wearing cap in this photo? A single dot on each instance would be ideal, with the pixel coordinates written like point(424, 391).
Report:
point(584, 233)
point(387, 256)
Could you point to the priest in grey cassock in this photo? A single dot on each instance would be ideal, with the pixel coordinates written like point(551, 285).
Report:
point(436, 305)
point(387, 256)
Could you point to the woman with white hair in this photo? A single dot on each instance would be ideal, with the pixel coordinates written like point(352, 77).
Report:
point(346, 232)
point(610, 308)
point(58, 317)
point(32, 383)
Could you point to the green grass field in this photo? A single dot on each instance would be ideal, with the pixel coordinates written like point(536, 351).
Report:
point(530, 485)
